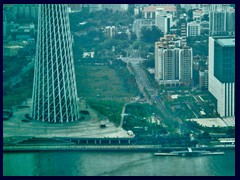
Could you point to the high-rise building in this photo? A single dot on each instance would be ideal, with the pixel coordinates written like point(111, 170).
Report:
point(193, 29)
point(138, 24)
point(149, 12)
point(54, 87)
point(173, 62)
point(110, 31)
point(203, 79)
point(222, 73)
point(113, 7)
point(204, 27)
point(26, 10)
point(184, 33)
point(185, 65)
point(221, 20)
point(163, 20)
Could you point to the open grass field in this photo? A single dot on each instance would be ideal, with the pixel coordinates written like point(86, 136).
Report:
point(99, 81)
point(92, 81)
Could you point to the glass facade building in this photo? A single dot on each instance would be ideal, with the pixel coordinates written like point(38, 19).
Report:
point(222, 74)
point(224, 61)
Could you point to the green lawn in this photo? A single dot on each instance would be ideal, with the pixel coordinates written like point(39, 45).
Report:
point(91, 81)
point(186, 98)
point(102, 81)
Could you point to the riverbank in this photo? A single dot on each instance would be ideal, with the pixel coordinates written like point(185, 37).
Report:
point(140, 148)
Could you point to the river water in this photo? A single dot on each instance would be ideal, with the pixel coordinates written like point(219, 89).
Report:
point(74, 163)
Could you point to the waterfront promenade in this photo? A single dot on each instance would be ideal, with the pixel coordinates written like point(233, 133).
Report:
point(154, 148)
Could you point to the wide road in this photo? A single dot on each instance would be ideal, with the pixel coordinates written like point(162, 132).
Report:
point(144, 82)
point(142, 79)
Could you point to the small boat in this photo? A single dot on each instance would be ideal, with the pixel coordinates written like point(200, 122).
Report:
point(189, 153)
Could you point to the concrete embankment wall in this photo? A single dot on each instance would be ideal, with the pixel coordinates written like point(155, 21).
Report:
point(153, 148)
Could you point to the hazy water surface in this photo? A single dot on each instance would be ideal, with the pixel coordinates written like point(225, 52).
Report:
point(115, 164)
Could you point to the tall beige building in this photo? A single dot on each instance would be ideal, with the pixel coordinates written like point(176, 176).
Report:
point(173, 62)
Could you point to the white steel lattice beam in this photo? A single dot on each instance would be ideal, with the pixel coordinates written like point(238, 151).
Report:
point(54, 88)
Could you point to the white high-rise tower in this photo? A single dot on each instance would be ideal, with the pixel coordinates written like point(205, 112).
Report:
point(54, 87)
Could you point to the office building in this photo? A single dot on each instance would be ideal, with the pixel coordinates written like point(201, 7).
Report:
point(163, 20)
point(222, 73)
point(193, 29)
point(221, 20)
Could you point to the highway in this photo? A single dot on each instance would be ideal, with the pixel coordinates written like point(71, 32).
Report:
point(144, 83)
point(142, 79)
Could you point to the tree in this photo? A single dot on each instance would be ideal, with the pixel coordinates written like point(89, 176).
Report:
point(149, 63)
point(190, 15)
point(231, 132)
point(205, 17)
point(133, 36)
point(121, 36)
point(178, 8)
point(205, 135)
point(136, 45)
point(151, 35)
point(183, 10)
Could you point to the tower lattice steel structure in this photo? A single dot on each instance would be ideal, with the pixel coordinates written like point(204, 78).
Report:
point(54, 87)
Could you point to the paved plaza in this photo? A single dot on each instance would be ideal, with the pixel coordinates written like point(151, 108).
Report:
point(90, 127)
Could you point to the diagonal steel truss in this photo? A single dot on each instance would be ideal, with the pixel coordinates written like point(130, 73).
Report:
point(54, 87)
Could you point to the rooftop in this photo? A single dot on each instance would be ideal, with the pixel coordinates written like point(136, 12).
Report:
point(226, 42)
point(153, 8)
point(210, 122)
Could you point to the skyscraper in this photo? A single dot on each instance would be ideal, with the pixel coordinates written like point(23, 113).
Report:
point(185, 65)
point(222, 74)
point(163, 20)
point(173, 62)
point(184, 33)
point(221, 20)
point(54, 87)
